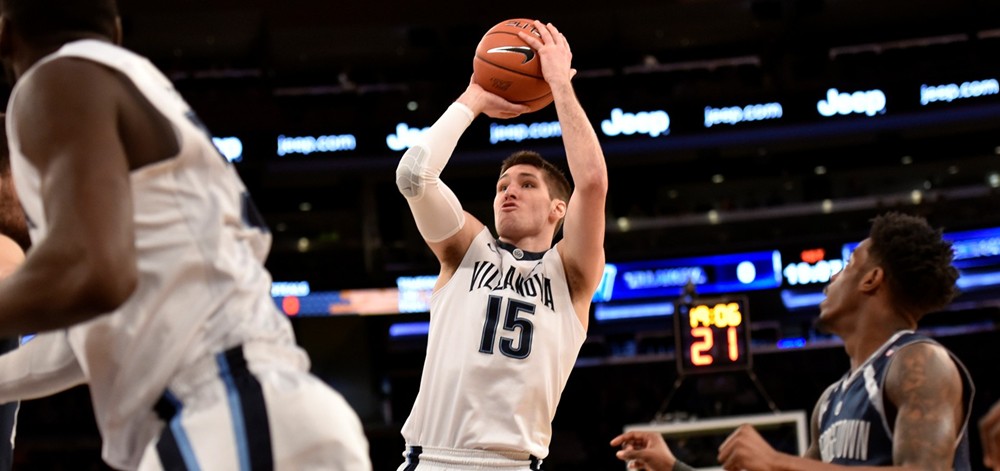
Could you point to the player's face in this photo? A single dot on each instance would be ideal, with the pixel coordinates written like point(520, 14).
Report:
point(522, 205)
point(842, 295)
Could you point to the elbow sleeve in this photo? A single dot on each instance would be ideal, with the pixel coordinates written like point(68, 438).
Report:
point(435, 207)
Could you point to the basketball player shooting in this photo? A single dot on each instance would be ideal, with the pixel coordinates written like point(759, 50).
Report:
point(508, 314)
point(146, 272)
point(906, 401)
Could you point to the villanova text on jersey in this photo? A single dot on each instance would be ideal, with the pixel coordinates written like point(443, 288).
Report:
point(487, 275)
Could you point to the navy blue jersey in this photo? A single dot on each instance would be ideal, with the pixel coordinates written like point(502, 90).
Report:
point(854, 423)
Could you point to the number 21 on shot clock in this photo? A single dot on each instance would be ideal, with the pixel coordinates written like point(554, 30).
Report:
point(713, 334)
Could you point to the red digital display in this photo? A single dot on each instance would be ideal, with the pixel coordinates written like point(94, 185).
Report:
point(712, 335)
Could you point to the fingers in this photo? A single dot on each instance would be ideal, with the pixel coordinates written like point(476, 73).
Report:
point(531, 40)
point(556, 37)
point(548, 34)
point(631, 455)
point(545, 32)
point(626, 438)
point(726, 453)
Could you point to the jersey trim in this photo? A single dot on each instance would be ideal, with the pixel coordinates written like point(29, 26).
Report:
point(518, 253)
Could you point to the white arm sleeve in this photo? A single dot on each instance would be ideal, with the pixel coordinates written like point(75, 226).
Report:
point(42, 367)
point(435, 208)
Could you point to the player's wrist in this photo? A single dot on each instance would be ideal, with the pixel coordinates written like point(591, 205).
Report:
point(473, 98)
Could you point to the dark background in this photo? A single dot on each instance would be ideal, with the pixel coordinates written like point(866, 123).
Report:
point(258, 69)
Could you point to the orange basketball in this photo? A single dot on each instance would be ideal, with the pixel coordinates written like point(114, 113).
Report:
point(507, 66)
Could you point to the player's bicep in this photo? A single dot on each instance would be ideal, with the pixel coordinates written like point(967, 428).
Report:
point(924, 385)
point(582, 245)
point(450, 251)
point(67, 125)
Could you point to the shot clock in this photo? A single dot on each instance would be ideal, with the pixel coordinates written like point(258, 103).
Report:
point(713, 334)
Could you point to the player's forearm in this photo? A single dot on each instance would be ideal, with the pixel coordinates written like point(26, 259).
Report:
point(583, 151)
point(42, 367)
point(60, 286)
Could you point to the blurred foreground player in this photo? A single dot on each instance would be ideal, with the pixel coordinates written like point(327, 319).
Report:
point(508, 314)
point(146, 272)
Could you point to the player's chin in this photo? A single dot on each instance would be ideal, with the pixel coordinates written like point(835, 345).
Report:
point(508, 228)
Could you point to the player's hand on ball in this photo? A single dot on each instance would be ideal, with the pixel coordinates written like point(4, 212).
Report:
point(481, 101)
point(554, 51)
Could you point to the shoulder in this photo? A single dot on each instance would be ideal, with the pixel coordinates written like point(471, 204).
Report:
point(63, 97)
point(918, 365)
point(70, 83)
point(77, 73)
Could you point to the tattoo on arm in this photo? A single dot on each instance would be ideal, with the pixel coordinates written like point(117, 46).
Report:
point(924, 385)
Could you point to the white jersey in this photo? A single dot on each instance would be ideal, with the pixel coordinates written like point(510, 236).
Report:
point(503, 339)
point(202, 285)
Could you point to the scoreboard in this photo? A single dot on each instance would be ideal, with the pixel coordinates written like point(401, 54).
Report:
point(712, 335)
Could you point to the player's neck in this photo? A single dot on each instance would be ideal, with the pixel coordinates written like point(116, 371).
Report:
point(872, 331)
point(535, 243)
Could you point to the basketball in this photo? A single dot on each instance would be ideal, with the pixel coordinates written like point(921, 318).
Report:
point(507, 66)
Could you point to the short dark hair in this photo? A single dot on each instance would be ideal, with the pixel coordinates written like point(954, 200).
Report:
point(39, 20)
point(916, 260)
point(555, 179)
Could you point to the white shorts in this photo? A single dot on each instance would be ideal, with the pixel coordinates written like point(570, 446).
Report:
point(221, 417)
point(446, 459)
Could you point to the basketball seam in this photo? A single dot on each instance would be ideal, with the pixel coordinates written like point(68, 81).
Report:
point(533, 99)
point(508, 69)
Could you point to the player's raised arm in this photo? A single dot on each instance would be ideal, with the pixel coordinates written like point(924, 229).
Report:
point(444, 225)
point(582, 246)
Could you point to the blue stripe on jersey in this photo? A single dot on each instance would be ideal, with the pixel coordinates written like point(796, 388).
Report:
point(174, 448)
point(236, 410)
point(413, 458)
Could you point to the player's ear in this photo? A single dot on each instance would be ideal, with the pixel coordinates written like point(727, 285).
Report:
point(118, 35)
point(872, 279)
point(558, 209)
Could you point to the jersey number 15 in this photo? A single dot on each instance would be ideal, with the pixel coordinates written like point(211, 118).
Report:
point(511, 322)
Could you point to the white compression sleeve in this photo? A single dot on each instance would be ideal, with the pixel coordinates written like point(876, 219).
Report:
point(435, 208)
